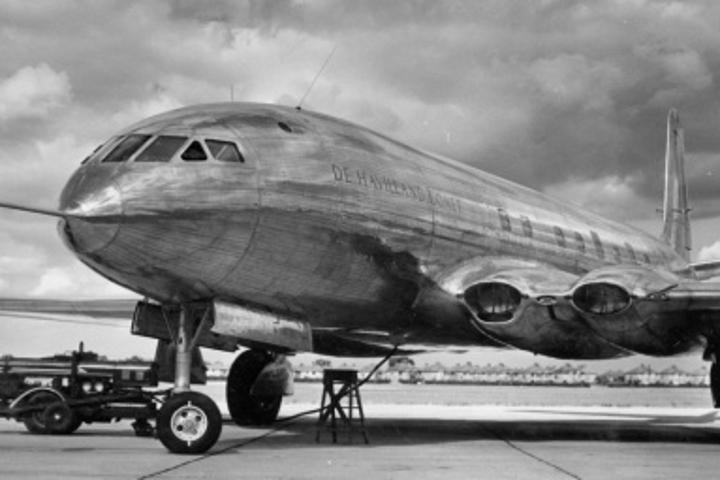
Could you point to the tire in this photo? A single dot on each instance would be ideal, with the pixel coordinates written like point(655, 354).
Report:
point(60, 419)
point(35, 422)
point(143, 428)
point(246, 409)
point(189, 422)
point(715, 384)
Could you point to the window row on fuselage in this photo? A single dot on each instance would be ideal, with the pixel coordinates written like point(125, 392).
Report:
point(143, 148)
point(575, 240)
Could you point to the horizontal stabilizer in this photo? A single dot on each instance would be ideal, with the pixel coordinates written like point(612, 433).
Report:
point(705, 270)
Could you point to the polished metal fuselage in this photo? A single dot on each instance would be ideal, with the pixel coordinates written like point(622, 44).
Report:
point(324, 221)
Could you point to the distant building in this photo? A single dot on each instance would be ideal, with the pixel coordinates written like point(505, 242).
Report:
point(309, 373)
point(642, 375)
point(700, 377)
point(216, 370)
point(572, 375)
point(403, 370)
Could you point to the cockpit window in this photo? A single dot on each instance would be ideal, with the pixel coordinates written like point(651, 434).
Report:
point(87, 159)
point(224, 151)
point(162, 149)
point(126, 148)
point(194, 152)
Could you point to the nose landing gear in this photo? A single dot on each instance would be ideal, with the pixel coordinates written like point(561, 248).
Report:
point(188, 422)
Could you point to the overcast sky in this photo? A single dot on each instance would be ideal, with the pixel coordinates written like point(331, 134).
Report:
point(567, 97)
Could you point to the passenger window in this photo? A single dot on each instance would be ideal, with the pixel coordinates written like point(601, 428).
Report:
point(126, 148)
point(224, 151)
point(194, 153)
point(579, 242)
point(560, 236)
point(504, 220)
point(631, 252)
point(646, 258)
point(162, 149)
point(616, 253)
point(526, 226)
point(598, 245)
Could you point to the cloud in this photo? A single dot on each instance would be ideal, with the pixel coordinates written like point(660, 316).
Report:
point(33, 92)
point(611, 197)
point(138, 110)
point(710, 252)
point(77, 281)
point(567, 79)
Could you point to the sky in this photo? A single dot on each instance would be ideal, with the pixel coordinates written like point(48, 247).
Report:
point(567, 97)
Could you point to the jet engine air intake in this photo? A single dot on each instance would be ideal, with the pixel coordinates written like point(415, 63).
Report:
point(493, 301)
point(601, 298)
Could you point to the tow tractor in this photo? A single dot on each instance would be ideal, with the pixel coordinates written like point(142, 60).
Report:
point(57, 394)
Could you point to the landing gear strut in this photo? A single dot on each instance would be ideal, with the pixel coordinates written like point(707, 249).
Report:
point(188, 422)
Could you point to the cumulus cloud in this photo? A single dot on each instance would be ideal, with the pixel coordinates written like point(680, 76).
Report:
point(573, 80)
point(612, 197)
point(33, 91)
point(710, 252)
point(137, 110)
point(83, 283)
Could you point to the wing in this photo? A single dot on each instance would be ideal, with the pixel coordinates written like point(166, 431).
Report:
point(78, 311)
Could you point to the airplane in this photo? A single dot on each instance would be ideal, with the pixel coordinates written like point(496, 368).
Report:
point(283, 230)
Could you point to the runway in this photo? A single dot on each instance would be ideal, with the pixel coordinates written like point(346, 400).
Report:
point(406, 442)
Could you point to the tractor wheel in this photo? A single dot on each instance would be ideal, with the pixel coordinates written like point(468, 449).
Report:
point(60, 419)
point(35, 421)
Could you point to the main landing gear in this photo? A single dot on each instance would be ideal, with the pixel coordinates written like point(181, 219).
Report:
point(712, 353)
point(188, 422)
point(246, 406)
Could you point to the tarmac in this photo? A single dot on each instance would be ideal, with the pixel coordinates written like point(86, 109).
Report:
point(406, 442)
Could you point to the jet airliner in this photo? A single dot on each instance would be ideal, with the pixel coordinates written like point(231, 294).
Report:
point(282, 230)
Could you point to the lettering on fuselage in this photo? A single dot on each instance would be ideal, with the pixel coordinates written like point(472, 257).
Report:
point(395, 187)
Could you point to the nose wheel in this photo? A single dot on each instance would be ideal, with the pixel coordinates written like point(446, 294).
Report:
point(189, 422)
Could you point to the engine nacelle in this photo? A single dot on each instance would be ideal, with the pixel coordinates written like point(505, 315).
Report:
point(601, 298)
point(506, 314)
point(621, 305)
point(493, 301)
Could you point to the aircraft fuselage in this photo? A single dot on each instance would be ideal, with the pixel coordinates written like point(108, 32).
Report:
point(323, 220)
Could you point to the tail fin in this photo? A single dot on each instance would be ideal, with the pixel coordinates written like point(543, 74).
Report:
point(676, 214)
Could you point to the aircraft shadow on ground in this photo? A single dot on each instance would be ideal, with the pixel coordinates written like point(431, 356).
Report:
point(396, 432)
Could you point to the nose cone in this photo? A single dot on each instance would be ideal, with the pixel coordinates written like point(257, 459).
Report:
point(93, 212)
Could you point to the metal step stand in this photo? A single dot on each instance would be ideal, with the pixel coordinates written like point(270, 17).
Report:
point(340, 401)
